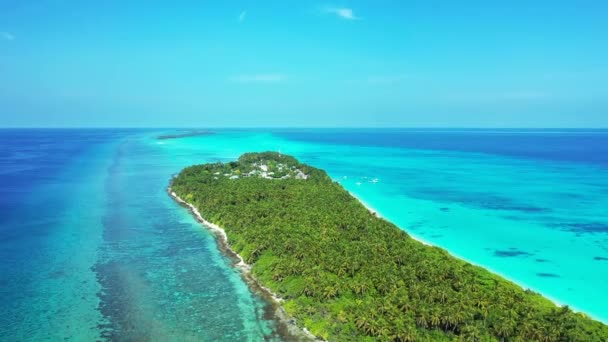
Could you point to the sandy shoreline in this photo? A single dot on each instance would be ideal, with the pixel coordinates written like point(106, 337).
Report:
point(245, 269)
point(377, 214)
point(557, 303)
point(281, 314)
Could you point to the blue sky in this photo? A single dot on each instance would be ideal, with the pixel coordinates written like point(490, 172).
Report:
point(299, 63)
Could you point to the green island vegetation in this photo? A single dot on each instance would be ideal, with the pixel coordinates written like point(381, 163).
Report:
point(348, 275)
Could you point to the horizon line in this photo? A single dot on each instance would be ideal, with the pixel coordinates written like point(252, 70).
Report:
point(308, 127)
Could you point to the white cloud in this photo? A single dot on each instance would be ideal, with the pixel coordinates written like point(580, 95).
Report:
point(242, 16)
point(258, 78)
point(6, 36)
point(342, 12)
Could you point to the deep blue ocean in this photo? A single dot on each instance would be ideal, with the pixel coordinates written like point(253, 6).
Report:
point(92, 248)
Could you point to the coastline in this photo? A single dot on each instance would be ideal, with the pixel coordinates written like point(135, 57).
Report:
point(288, 323)
point(518, 283)
point(280, 314)
point(377, 214)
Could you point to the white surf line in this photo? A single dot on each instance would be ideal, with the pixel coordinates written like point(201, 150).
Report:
point(241, 265)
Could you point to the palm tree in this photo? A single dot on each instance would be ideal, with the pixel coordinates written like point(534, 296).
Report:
point(409, 335)
point(443, 295)
point(422, 318)
point(330, 291)
point(363, 323)
point(504, 328)
point(405, 305)
point(470, 333)
point(435, 318)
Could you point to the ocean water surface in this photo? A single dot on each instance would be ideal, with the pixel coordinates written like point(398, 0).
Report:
point(93, 248)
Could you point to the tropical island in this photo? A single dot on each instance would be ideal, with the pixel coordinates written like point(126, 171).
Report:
point(188, 134)
point(346, 274)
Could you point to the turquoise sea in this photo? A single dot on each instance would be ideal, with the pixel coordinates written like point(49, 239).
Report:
point(93, 248)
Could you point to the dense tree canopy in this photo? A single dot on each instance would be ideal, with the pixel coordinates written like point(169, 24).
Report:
point(348, 275)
